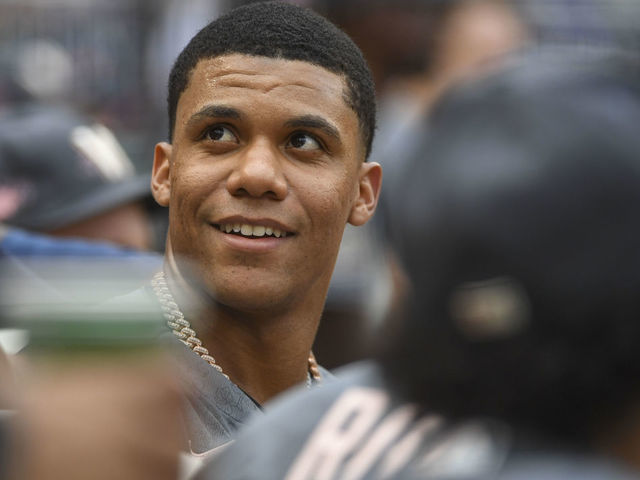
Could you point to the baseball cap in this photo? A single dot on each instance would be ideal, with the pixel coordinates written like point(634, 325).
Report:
point(58, 167)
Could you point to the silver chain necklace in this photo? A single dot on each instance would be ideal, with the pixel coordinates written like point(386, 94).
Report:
point(182, 329)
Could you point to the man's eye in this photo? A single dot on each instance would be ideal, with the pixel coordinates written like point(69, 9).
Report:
point(304, 141)
point(220, 133)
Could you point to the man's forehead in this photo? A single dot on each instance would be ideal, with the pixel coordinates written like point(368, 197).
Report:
point(267, 73)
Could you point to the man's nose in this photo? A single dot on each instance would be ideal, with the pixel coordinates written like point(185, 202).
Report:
point(258, 172)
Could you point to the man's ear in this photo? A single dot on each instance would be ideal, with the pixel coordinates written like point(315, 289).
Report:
point(369, 191)
point(160, 179)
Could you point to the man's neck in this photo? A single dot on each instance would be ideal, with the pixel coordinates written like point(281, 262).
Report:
point(264, 353)
point(262, 358)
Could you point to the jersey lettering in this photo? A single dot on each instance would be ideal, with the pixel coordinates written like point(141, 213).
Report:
point(359, 432)
point(341, 430)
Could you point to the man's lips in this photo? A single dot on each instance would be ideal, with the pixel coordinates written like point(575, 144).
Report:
point(260, 228)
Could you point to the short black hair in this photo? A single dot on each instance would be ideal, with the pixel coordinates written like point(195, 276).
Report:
point(521, 239)
point(281, 30)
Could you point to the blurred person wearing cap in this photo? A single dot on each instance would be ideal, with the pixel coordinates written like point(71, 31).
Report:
point(517, 355)
point(272, 114)
point(64, 174)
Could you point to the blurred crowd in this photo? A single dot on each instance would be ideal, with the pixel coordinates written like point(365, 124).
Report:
point(498, 218)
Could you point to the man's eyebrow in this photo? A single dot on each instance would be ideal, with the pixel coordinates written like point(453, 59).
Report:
point(314, 121)
point(214, 111)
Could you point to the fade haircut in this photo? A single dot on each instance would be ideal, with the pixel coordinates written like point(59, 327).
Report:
point(284, 31)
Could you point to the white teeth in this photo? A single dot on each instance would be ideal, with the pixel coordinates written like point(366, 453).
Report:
point(251, 230)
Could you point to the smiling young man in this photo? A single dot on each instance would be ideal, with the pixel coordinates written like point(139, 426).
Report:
point(272, 114)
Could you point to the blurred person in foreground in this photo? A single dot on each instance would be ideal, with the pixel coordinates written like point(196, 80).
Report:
point(518, 355)
point(93, 394)
point(98, 418)
point(272, 114)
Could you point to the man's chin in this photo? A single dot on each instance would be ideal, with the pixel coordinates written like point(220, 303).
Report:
point(239, 288)
point(251, 299)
